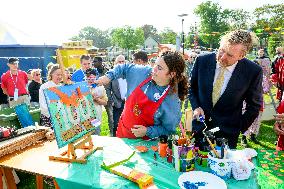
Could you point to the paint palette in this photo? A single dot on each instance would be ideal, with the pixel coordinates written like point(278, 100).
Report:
point(270, 168)
point(200, 180)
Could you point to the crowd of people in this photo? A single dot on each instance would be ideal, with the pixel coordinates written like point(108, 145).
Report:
point(145, 100)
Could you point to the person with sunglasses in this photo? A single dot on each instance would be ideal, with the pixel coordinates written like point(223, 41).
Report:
point(34, 86)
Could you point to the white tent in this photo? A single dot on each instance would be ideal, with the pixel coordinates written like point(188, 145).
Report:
point(10, 35)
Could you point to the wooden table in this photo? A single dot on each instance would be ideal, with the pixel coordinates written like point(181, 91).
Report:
point(33, 159)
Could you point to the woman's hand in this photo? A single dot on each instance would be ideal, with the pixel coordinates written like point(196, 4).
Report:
point(279, 118)
point(277, 128)
point(139, 130)
point(102, 80)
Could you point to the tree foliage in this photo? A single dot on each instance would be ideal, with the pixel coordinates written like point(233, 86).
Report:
point(168, 36)
point(215, 21)
point(127, 37)
point(150, 31)
point(100, 38)
point(269, 17)
point(212, 20)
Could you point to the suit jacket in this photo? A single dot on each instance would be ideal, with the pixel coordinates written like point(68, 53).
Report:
point(115, 94)
point(244, 84)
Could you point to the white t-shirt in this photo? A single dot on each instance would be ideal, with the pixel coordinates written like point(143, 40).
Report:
point(100, 92)
point(42, 100)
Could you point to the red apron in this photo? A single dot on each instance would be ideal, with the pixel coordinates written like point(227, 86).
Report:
point(138, 110)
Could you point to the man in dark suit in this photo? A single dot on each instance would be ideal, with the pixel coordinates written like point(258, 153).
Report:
point(118, 88)
point(219, 85)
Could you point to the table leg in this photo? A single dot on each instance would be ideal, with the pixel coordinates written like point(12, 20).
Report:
point(39, 182)
point(55, 184)
point(9, 178)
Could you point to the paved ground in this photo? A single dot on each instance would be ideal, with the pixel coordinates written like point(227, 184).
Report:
point(268, 113)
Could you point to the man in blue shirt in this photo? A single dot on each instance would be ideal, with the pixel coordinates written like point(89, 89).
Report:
point(79, 75)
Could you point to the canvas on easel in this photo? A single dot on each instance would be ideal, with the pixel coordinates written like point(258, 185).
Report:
point(73, 118)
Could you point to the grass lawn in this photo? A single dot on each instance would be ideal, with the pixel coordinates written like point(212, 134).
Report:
point(266, 138)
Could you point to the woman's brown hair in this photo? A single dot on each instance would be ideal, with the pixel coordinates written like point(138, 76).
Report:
point(176, 63)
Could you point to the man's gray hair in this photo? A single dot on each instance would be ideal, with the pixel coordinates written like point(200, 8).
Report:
point(247, 38)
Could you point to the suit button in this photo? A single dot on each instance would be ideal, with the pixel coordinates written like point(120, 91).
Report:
point(210, 119)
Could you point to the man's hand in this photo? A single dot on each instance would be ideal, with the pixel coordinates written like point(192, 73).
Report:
point(198, 112)
point(139, 130)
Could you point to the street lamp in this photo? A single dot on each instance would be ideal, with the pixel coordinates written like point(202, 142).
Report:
point(182, 33)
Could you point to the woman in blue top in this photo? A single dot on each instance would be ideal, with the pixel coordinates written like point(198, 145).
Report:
point(153, 98)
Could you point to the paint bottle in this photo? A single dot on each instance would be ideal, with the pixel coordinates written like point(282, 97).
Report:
point(170, 151)
point(163, 146)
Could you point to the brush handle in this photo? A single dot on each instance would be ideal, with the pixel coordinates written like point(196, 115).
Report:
point(212, 147)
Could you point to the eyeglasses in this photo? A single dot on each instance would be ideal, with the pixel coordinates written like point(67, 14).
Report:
point(37, 74)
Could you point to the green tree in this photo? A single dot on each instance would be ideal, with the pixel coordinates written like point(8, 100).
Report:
point(127, 37)
point(150, 31)
point(101, 39)
point(213, 19)
point(168, 36)
point(238, 19)
point(269, 26)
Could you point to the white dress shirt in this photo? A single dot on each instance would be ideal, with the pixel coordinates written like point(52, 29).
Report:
point(42, 100)
point(122, 87)
point(227, 75)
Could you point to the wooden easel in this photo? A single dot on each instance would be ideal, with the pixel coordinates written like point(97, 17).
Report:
point(78, 145)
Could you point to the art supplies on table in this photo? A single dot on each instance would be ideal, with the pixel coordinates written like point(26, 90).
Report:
point(22, 139)
point(200, 180)
point(220, 167)
point(184, 158)
point(202, 158)
point(241, 163)
point(170, 151)
point(141, 148)
point(162, 146)
point(209, 134)
point(143, 180)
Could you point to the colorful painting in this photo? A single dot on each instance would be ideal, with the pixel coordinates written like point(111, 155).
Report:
point(270, 169)
point(72, 111)
point(24, 115)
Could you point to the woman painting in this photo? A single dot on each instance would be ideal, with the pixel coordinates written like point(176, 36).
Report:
point(153, 97)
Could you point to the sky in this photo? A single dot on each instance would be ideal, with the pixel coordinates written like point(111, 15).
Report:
point(56, 21)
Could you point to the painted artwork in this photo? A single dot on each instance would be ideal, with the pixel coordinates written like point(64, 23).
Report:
point(270, 169)
point(24, 115)
point(72, 112)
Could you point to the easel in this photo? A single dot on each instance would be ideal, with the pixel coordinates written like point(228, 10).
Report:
point(78, 145)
